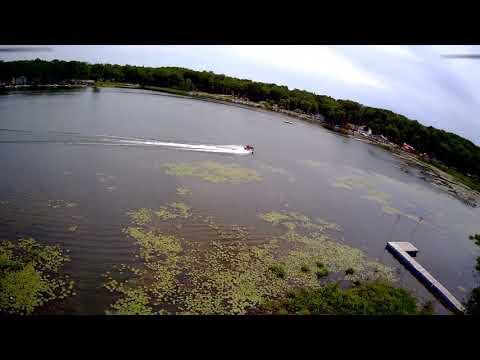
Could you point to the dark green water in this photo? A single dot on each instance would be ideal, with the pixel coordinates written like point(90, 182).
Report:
point(57, 152)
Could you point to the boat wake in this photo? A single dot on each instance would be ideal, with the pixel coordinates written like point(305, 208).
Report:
point(22, 136)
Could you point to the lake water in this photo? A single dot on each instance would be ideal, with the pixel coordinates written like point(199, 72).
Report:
point(65, 146)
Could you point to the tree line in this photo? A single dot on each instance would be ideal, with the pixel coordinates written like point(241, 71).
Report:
point(451, 149)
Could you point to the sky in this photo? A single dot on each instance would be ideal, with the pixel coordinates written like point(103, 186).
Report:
point(415, 81)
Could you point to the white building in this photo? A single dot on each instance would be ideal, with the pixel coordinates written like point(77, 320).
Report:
point(21, 80)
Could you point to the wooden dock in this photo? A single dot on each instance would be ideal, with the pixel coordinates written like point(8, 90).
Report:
point(404, 252)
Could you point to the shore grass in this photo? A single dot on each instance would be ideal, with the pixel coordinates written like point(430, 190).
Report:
point(166, 90)
point(464, 179)
point(374, 298)
point(116, 84)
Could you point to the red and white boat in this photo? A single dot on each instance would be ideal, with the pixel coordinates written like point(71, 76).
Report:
point(248, 147)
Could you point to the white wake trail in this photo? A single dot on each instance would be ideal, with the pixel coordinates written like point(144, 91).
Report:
point(226, 149)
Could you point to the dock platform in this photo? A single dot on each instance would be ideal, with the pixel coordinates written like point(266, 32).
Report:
point(404, 252)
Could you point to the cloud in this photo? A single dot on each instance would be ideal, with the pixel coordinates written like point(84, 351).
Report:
point(397, 51)
point(317, 61)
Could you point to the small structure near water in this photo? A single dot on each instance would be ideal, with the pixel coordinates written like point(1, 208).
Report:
point(405, 252)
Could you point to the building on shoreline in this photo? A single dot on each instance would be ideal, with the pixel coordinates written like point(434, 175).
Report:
point(21, 80)
point(408, 148)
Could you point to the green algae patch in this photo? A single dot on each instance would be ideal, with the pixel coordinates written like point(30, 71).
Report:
point(140, 216)
point(293, 220)
point(134, 302)
point(30, 276)
point(372, 195)
point(213, 172)
point(183, 191)
point(181, 209)
point(154, 244)
point(173, 211)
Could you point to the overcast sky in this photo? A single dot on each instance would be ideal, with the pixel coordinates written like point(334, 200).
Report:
point(412, 80)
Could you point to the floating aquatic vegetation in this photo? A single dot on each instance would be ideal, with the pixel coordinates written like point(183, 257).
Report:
point(154, 244)
point(181, 209)
point(275, 170)
point(73, 228)
point(312, 245)
point(292, 220)
point(134, 302)
point(373, 195)
point(275, 217)
point(393, 211)
point(173, 210)
point(140, 216)
point(183, 191)
point(226, 274)
point(213, 171)
point(343, 183)
point(377, 196)
point(58, 204)
point(30, 276)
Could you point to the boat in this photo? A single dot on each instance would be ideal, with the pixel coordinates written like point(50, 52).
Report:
point(288, 122)
point(248, 147)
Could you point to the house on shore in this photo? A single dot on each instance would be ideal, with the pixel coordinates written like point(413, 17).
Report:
point(365, 131)
point(408, 148)
point(381, 139)
point(80, 82)
point(21, 80)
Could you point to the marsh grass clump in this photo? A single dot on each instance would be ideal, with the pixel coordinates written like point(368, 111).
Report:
point(305, 269)
point(278, 270)
point(476, 238)
point(322, 272)
point(213, 172)
point(472, 305)
point(183, 191)
point(374, 298)
point(427, 308)
point(30, 276)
